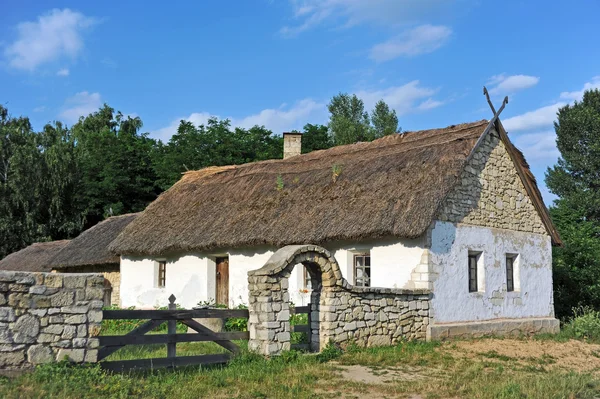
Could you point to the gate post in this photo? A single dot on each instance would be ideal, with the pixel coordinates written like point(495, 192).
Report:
point(269, 315)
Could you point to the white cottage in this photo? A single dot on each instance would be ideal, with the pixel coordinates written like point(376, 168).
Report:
point(453, 210)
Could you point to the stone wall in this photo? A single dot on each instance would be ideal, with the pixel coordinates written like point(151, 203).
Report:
point(340, 312)
point(491, 193)
point(374, 316)
point(49, 316)
point(110, 272)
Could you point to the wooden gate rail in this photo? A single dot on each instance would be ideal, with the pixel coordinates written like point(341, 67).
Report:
point(111, 343)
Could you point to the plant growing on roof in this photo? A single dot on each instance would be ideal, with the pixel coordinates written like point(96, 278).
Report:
point(279, 183)
point(336, 171)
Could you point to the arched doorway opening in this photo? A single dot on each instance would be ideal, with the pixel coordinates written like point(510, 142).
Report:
point(269, 300)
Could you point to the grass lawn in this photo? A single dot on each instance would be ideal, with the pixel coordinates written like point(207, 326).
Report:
point(485, 368)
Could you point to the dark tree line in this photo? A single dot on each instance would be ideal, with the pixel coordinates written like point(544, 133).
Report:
point(62, 180)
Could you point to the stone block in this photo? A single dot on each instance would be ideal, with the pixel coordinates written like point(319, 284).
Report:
point(53, 329)
point(91, 356)
point(76, 319)
point(7, 314)
point(53, 280)
point(74, 281)
point(11, 359)
point(95, 316)
point(74, 309)
point(74, 355)
point(37, 289)
point(62, 298)
point(81, 331)
point(92, 293)
point(26, 329)
point(38, 354)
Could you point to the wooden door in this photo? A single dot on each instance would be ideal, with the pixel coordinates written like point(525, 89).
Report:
point(222, 281)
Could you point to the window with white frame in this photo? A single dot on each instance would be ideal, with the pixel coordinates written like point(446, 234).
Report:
point(511, 271)
point(475, 272)
point(362, 269)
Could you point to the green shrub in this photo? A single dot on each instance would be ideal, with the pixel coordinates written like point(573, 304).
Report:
point(330, 352)
point(585, 324)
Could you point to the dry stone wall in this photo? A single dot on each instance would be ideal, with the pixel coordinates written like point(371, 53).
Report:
point(490, 192)
point(374, 316)
point(340, 312)
point(46, 317)
point(110, 272)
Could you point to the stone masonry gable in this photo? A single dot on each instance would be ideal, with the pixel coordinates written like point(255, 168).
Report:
point(491, 194)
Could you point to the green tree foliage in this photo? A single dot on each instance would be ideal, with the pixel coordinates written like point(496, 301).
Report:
point(384, 120)
point(20, 179)
point(213, 144)
point(350, 123)
point(575, 179)
point(315, 137)
point(115, 161)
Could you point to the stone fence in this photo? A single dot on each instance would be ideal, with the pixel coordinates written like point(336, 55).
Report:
point(340, 312)
point(374, 316)
point(49, 316)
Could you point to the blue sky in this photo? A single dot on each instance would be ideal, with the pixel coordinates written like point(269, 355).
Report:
point(277, 63)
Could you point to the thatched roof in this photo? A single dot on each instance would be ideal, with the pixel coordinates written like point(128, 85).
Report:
point(34, 258)
point(91, 246)
point(392, 186)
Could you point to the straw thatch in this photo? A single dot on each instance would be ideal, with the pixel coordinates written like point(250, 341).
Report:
point(389, 187)
point(91, 246)
point(34, 258)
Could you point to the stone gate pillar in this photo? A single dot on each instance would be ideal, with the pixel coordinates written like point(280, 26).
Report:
point(269, 315)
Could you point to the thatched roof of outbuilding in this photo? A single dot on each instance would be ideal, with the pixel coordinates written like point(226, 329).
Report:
point(34, 258)
point(392, 186)
point(91, 246)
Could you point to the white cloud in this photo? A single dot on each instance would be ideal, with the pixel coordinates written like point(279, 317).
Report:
point(539, 118)
point(81, 104)
point(346, 13)
point(539, 146)
point(578, 95)
point(41, 108)
point(420, 40)
point(282, 119)
point(278, 120)
point(430, 104)
point(165, 133)
point(401, 98)
point(54, 35)
point(509, 84)
point(63, 72)
point(410, 97)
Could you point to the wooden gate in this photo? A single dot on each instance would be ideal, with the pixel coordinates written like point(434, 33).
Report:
point(111, 343)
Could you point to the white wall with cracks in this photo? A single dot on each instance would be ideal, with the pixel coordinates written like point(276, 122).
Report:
point(452, 301)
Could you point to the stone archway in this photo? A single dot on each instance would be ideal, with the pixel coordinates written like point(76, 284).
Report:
point(269, 312)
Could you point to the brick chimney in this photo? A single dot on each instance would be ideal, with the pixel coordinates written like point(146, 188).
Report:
point(292, 144)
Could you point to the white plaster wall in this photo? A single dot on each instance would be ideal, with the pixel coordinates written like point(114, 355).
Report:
point(191, 278)
point(449, 252)
point(392, 261)
point(186, 278)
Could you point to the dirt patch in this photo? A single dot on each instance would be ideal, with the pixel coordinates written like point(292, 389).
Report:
point(571, 355)
point(370, 375)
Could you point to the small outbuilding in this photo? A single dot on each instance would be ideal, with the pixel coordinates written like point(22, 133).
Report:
point(34, 258)
point(88, 253)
